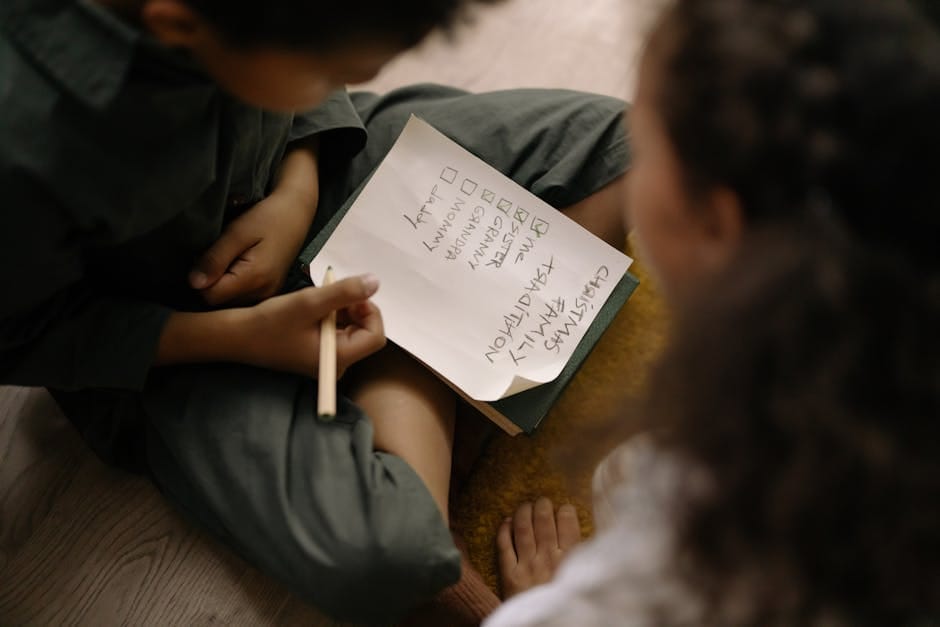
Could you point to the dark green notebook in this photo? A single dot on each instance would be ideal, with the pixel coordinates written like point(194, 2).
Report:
point(527, 409)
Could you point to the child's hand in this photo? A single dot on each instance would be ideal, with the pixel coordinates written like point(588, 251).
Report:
point(283, 332)
point(250, 261)
point(532, 543)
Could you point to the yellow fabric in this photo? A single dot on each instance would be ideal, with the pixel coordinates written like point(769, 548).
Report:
point(514, 470)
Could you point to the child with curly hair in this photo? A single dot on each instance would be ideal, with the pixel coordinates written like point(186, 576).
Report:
point(784, 194)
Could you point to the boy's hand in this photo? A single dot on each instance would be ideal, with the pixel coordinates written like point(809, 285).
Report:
point(250, 261)
point(283, 332)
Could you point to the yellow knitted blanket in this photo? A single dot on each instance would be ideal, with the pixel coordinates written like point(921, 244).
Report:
point(514, 470)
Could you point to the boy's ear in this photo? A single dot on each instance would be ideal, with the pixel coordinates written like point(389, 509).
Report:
point(722, 223)
point(173, 23)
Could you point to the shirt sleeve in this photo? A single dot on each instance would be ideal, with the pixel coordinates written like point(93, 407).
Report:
point(58, 329)
point(336, 122)
point(614, 484)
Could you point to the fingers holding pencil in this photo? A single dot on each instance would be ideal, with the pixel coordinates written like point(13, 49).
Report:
point(283, 332)
point(359, 327)
point(360, 332)
point(351, 329)
point(345, 292)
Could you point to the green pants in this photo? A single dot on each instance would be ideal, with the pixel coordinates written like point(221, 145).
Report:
point(240, 449)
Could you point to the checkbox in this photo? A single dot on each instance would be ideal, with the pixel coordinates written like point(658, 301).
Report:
point(488, 196)
point(504, 205)
point(540, 226)
point(449, 175)
point(522, 215)
point(468, 187)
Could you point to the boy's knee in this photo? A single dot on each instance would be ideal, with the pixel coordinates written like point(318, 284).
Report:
point(388, 544)
point(382, 578)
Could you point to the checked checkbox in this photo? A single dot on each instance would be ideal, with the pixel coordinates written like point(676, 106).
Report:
point(540, 226)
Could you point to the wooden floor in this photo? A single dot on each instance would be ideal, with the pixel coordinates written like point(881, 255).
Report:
point(82, 544)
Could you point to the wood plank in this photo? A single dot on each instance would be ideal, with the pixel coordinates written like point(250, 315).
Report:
point(589, 45)
point(84, 544)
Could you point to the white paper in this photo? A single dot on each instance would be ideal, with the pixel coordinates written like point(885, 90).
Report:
point(485, 283)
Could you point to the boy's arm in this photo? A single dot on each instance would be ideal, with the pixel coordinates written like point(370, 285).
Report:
point(59, 331)
point(80, 337)
point(56, 328)
point(282, 333)
point(299, 172)
point(251, 259)
point(336, 124)
point(83, 341)
point(77, 340)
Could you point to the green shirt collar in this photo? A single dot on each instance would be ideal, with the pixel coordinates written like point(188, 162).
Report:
point(77, 43)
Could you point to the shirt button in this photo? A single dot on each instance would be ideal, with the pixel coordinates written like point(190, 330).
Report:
point(238, 200)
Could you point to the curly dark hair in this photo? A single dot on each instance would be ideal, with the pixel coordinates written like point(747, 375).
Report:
point(327, 25)
point(805, 380)
point(806, 385)
point(815, 104)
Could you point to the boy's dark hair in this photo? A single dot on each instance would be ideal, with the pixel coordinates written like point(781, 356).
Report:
point(323, 25)
point(930, 9)
point(806, 381)
point(806, 385)
point(806, 106)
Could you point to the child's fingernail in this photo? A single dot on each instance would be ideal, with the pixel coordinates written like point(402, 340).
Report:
point(371, 284)
point(198, 280)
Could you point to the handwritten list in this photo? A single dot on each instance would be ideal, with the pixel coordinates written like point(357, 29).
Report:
point(481, 280)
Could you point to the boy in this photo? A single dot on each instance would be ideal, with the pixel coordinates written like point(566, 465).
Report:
point(158, 191)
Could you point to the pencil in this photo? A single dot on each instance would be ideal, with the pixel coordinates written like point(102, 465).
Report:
point(326, 398)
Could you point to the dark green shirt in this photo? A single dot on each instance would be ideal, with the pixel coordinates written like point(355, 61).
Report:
point(120, 163)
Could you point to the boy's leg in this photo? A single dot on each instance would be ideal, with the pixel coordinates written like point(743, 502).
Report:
point(568, 148)
point(602, 213)
point(412, 415)
point(241, 451)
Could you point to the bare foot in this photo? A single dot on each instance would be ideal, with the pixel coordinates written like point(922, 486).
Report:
point(533, 543)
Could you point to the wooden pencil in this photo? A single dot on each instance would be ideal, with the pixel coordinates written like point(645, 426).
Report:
point(326, 397)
